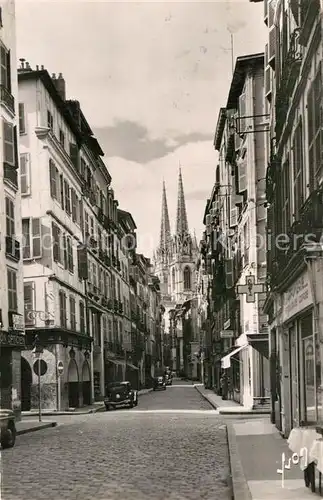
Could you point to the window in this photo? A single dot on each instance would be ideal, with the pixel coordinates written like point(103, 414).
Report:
point(12, 290)
point(61, 185)
point(92, 226)
point(8, 143)
point(104, 328)
point(105, 284)
point(72, 313)
point(29, 303)
point(22, 121)
point(62, 138)
point(25, 186)
point(298, 170)
point(74, 155)
point(86, 223)
point(187, 278)
point(56, 243)
point(67, 198)
point(70, 263)
point(64, 244)
point(50, 120)
point(5, 76)
point(101, 280)
point(10, 218)
point(110, 330)
point(53, 176)
point(314, 129)
point(94, 274)
point(62, 308)
point(31, 231)
point(82, 317)
point(75, 206)
point(173, 277)
point(285, 197)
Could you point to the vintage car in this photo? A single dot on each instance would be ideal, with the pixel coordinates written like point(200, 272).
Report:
point(159, 383)
point(120, 394)
point(7, 428)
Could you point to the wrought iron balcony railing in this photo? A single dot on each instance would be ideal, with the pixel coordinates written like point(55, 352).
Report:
point(10, 173)
point(12, 248)
point(7, 98)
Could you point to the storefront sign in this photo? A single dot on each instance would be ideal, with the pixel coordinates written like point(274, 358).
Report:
point(297, 297)
point(226, 334)
point(18, 322)
point(12, 339)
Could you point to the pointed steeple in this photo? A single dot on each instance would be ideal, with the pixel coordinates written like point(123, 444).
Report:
point(181, 221)
point(165, 234)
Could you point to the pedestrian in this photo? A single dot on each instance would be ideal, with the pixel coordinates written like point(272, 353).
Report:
point(224, 387)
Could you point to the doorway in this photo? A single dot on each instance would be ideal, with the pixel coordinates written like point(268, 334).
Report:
point(73, 385)
point(26, 382)
point(86, 384)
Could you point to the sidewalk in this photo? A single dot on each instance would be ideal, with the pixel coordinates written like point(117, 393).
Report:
point(94, 408)
point(25, 426)
point(255, 449)
point(227, 407)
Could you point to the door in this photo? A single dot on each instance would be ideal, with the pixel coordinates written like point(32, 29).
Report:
point(26, 381)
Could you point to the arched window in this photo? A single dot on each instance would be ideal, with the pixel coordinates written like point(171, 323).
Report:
point(187, 278)
point(173, 277)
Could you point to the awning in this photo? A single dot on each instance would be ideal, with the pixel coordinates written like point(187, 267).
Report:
point(226, 360)
point(132, 366)
point(260, 342)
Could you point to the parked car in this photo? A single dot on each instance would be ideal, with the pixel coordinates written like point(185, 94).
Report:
point(159, 383)
point(7, 428)
point(120, 394)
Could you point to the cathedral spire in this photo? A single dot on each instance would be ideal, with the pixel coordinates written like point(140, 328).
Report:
point(181, 221)
point(165, 234)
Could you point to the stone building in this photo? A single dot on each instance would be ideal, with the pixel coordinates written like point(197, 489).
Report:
point(234, 244)
point(67, 215)
point(174, 264)
point(294, 193)
point(12, 338)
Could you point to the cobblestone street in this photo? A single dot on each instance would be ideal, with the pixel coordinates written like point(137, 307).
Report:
point(125, 454)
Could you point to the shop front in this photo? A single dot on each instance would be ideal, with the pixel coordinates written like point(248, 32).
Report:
point(11, 345)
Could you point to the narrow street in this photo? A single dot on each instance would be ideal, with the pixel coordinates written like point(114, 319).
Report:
point(143, 453)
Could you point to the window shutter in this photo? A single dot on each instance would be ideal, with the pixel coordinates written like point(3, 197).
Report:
point(65, 252)
point(22, 125)
point(26, 238)
point(67, 197)
point(29, 303)
point(56, 248)
point(70, 254)
point(74, 155)
point(8, 142)
point(36, 238)
point(74, 205)
point(242, 175)
point(242, 113)
point(52, 179)
point(24, 174)
point(8, 83)
point(15, 146)
point(82, 262)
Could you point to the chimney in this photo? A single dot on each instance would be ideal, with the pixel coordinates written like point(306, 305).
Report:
point(28, 66)
point(53, 76)
point(42, 67)
point(22, 63)
point(59, 83)
point(37, 67)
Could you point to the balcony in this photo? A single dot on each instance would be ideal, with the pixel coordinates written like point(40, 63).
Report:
point(93, 243)
point(100, 216)
point(114, 261)
point(12, 249)
point(10, 174)
point(107, 260)
point(116, 305)
point(120, 307)
point(7, 99)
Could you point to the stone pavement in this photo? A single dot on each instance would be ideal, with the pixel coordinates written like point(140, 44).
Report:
point(227, 407)
point(255, 449)
point(95, 407)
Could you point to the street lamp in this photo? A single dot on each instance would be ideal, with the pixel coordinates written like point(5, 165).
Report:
point(37, 351)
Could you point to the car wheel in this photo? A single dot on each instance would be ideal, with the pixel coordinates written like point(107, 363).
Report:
point(8, 438)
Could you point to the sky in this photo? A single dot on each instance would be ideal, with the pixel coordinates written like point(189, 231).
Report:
point(150, 77)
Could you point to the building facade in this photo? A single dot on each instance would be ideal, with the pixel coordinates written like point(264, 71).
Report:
point(294, 195)
point(11, 287)
point(175, 265)
point(233, 247)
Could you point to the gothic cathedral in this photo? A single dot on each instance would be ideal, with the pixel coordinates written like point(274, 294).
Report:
point(175, 258)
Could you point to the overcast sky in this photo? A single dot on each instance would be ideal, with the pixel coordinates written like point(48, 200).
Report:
point(151, 78)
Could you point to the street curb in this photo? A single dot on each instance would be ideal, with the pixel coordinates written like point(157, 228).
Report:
point(37, 428)
point(239, 484)
point(246, 412)
point(205, 397)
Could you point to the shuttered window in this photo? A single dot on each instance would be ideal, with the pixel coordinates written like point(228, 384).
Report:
point(62, 308)
point(12, 290)
point(64, 242)
point(61, 188)
point(53, 176)
point(82, 317)
point(314, 125)
point(10, 217)
point(70, 262)
point(72, 313)
point(25, 186)
point(8, 143)
point(29, 303)
point(31, 230)
point(67, 198)
point(56, 242)
point(22, 120)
